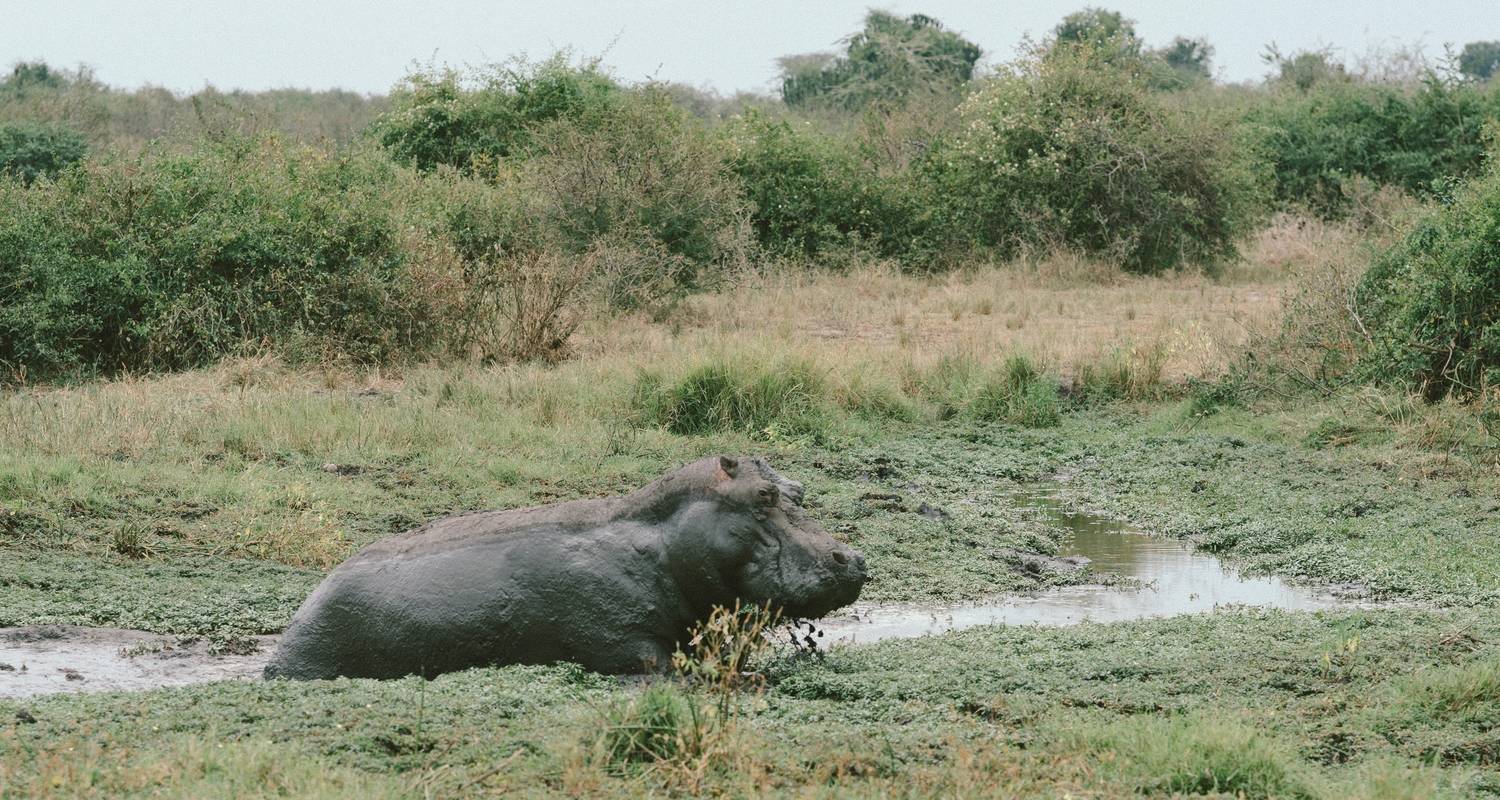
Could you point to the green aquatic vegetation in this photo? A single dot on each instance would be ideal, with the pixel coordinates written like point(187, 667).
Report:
point(1228, 702)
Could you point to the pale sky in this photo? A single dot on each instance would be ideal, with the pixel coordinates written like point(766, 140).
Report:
point(367, 45)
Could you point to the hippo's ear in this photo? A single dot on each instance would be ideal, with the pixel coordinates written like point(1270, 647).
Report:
point(730, 465)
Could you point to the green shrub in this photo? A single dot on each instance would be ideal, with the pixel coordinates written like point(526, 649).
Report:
point(1431, 304)
point(576, 166)
point(31, 151)
point(174, 261)
point(643, 172)
point(1109, 33)
point(1319, 138)
point(28, 76)
point(1206, 398)
point(811, 192)
point(435, 119)
point(1073, 150)
point(890, 60)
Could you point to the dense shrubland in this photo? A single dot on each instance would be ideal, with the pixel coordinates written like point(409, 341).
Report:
point(485, 212)
point(1430, 305)
point(1063, 151)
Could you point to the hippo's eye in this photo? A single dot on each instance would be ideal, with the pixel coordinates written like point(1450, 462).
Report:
point(767, 495)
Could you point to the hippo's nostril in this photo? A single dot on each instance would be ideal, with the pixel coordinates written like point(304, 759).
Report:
point(838, 555)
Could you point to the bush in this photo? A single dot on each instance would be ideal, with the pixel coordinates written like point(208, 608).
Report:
point(1320, 138)
point(812, 193)
point(1070, 150)
point(175, 261)
point(1479, 60)
point(641, 172)
point(435, 119)
point(626, 179)
point(132, 121)
point(890, 61)
point(31, 151)
point(1431, 304)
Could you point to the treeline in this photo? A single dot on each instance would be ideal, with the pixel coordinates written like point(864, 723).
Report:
point(474, 211)
point(37, 95)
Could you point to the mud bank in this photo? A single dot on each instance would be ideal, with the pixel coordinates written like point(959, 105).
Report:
point(59, 658)
point(1141, 576)
point(1148, 576)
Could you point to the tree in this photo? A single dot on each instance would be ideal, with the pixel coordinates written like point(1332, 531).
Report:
point(892, 59)
point(1305, 68)
point(27, 75)
point(1480, 60)
point(1192, 57)
point(1107, 32)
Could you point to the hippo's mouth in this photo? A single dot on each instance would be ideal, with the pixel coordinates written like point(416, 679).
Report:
point(843, 593)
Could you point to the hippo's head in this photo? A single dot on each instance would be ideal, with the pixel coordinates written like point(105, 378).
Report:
point(769, 550)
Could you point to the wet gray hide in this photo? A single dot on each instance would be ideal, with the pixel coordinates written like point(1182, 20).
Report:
point(613, 584)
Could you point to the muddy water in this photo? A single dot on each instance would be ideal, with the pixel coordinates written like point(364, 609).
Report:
point(1165, 577)
point(59, 658)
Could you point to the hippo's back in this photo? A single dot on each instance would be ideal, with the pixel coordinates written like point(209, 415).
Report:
point(471, 590)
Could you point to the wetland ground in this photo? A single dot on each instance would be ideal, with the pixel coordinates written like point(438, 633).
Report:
point(205, 505)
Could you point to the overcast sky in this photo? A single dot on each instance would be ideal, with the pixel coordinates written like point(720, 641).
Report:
point(366, 45)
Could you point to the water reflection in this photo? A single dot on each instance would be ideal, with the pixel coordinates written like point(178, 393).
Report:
point(1168, 578)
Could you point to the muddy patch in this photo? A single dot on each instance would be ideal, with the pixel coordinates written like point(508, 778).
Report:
point(56, 658)
point(1141, 576)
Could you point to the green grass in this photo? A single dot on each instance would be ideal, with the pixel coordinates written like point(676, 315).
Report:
point(237, 497)
point(1238, 704)
point(211, 503)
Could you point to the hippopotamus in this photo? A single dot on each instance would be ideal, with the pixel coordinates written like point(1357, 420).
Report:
point(613, 584)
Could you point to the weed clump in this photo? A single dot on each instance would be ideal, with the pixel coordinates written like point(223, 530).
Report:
point(1200, 755)
point(1019, 394)
point(1133, 374)
point(760, 399)
point(686, 729)
point(658, 725)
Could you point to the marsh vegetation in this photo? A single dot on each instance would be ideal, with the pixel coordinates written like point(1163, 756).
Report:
point(244, 335)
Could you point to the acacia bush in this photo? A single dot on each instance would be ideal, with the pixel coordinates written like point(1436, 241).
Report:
point(813, 194)
point(1318, 139)
point(443, 117)
point(890, 61)
point(640, 171)
point(176, 260)
point(1071, 149)
point(35, 150)
point(1430, 305)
